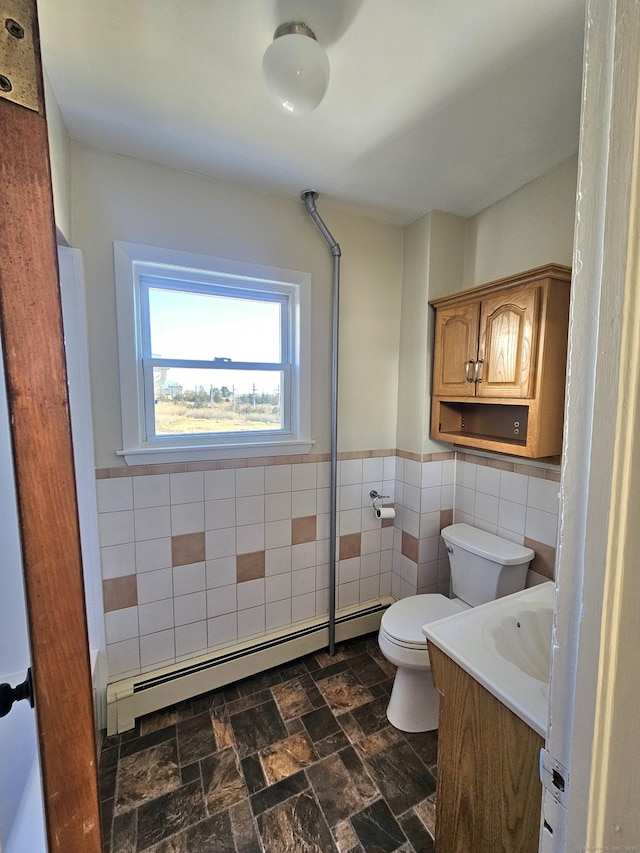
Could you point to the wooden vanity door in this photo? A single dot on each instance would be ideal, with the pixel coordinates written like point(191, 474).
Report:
point(507, 349)
point(455, 350)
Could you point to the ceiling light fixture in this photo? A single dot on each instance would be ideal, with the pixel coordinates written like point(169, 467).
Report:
point(295, 69)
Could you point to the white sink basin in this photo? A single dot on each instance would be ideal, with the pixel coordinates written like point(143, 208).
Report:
point(522, 636)
point(506, 646)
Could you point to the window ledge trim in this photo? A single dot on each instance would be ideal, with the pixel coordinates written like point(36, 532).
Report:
point(161, 455)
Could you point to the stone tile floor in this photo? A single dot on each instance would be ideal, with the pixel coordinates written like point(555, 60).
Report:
point(297, 759)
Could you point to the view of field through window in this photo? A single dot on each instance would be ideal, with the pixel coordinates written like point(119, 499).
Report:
point(198, 327)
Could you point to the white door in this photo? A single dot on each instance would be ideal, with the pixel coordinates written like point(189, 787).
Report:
point(21, 810)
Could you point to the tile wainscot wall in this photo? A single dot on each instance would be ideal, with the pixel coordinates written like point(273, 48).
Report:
point(199, 557)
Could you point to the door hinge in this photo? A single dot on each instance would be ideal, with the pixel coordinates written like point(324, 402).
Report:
point(10, 695)
point(18, 74)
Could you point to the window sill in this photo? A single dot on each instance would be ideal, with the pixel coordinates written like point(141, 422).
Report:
point(160, 455)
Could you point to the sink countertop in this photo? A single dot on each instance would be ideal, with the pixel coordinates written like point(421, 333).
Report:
point(464, 639)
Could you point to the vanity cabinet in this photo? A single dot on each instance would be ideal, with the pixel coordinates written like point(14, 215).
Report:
point(499, 364)
point(489, 794)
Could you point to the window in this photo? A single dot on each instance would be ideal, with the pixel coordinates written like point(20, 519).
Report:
point(214, 356)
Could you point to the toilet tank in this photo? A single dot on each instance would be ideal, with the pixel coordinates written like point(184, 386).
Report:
point(484, 566)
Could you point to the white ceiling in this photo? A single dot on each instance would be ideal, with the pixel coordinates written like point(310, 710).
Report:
point(432, 104)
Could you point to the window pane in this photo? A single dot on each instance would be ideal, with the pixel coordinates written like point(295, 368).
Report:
point(201, 327)
point(189, 401)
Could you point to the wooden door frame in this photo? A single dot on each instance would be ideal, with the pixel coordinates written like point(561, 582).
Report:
point(34, 359)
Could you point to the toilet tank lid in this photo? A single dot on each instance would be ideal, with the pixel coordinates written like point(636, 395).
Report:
point(487, 545)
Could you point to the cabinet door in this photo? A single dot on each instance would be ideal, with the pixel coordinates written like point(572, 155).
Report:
point(455, 350)
point(507, 349)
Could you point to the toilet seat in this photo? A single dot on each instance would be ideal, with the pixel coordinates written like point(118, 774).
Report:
point(402, 622)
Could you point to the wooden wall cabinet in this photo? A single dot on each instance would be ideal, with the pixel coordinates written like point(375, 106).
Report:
point(499, 364)
point(489, 794)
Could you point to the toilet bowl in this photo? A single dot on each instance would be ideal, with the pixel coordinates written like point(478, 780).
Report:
point(413, 706)
point(483, 567)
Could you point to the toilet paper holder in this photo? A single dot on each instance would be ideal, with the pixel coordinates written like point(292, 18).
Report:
point(381, 512)
point(376, 497)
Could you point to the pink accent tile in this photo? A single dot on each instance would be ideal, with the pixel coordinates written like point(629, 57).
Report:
point(168, 468)
point(350, 546)
point(446, 518)
point(501, 465)
point(138, 470)
point(408, 454)
point(348, 455)
point(187, 548)
point(476, 460)
point(118, 593)
point(250, 567)
point(303, 529)
point(124, 471)
point(528, 471)
point(410, 546)
point(233, 463)
point(545, 559)
point(210, 465)
point(552, 475)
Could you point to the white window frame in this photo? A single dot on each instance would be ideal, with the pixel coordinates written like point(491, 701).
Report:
point(134, 262)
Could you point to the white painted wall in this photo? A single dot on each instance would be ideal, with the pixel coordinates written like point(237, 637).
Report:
point(432, 264)
point(444, 254)
point(413, 377)
point(119, 198)
point(60, 156)
point(531, 227)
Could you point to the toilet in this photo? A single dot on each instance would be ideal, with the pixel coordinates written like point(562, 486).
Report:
point(483, 567)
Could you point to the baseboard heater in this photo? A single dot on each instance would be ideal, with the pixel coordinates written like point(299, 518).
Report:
point(134, 697)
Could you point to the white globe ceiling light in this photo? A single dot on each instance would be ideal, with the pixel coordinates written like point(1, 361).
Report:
point(295, 69)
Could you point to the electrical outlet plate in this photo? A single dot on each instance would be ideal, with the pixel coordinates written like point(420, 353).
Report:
point(18, 76)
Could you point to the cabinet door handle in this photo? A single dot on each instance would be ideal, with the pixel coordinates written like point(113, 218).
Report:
point(478, 363)
point(467, 370)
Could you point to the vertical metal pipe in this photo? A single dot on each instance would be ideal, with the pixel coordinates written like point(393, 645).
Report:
point(309, 198)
